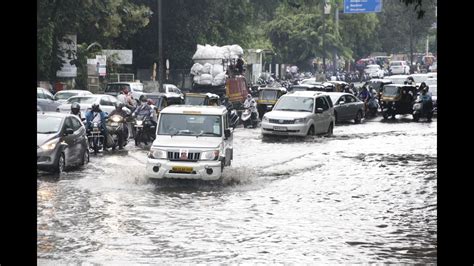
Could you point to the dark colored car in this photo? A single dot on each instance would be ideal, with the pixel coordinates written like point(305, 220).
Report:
point(347, 107)
point(61, 142)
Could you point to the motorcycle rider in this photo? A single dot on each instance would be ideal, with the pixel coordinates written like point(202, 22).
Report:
point(426, 101)
point(144, 109)
point(252, 104)
point(423, 86)
point(76, 109)
point(119, 111)
point(96, 115)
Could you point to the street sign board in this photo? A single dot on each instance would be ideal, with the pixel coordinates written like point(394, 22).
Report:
point(362, 6)
point(101, 64)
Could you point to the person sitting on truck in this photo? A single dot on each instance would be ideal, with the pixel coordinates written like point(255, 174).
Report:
point(240, 65)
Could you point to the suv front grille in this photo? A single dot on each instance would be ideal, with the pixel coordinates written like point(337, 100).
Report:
point(281, 121)
point(191, 156)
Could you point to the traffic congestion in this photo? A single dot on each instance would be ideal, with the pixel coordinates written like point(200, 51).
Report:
point(236, 132)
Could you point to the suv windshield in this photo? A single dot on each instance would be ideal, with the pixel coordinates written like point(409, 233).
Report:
point(390, 90)
point(190, 125)
point(292, 103)
point(48, 125)
point(88, 100)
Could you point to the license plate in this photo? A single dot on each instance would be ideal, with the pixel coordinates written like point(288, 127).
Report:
point(182, 169)
point(280, 128)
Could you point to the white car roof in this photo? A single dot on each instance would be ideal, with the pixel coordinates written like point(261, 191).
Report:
point(196, 109)
point(76, 91)
point(373, 65)
point(304, 94)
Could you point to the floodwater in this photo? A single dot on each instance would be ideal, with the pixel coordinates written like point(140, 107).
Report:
point(367, 194)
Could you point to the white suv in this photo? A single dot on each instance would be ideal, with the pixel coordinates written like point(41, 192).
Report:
point(399, 67)
point(192, 142)
point(135, 88)
point(299, 114)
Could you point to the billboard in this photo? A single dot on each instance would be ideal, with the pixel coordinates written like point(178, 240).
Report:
point(362, 6)
point(68, 46)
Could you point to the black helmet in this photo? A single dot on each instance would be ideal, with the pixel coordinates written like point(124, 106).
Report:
point(423, 84)
point(143, 98)
point(75, 106)
point(119, 105)
point(95, 107)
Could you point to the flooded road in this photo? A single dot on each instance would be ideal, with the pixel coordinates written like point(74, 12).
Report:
point(367, 194)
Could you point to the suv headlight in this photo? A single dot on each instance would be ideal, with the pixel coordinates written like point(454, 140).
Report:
point(50, 145)
point(300, 121)
point(210, 155)
point(157, 154)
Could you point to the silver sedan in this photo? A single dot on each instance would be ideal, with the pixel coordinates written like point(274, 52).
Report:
point(347, 107)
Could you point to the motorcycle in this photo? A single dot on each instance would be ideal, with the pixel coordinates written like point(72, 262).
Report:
point(95, 137)
point(421, 109)
point(249, 118)
point(144, 130)
point(117, 131)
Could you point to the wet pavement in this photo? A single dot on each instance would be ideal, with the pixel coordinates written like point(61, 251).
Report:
point(367, 194)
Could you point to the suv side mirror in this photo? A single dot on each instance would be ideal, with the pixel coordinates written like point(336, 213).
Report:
point(319, 110)
point(227, 133)
point(69, 131)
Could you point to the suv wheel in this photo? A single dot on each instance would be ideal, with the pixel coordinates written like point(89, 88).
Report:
point(311, 131)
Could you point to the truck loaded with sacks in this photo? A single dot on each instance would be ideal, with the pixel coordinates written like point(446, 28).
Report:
point(214, 72)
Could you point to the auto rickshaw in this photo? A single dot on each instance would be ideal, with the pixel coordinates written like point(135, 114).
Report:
point(397, 99)
point(267, 97)
point(202, 99)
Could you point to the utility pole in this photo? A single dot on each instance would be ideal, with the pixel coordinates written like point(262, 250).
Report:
point(160, 46)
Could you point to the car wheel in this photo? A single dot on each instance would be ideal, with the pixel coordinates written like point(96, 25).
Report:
point(61, 163)
point(330, 130)
point(358, 117)
point(310, 131)
point(85, 158)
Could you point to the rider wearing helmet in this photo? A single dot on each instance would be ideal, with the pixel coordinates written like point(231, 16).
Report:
point(96, 115)
point(123, 132)
point(76, 109)
point(119, 110)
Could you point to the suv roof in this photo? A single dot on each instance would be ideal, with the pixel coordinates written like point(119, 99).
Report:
point(305, 94)
point(197, 109)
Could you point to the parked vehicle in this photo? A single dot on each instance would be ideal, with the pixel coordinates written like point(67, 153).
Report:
point(192, 142)
point(308, 87)
point(397, 99)
point(61, 142)
point(299, 114)
point(267, 97)
point(64, 95)
point(399, 67)
point(45, 100)
point(105, 102)
point(347, 107)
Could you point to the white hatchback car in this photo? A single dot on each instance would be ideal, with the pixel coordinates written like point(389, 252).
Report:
point(62, 96)
point(299, 114)
point(399, 67)
point(374, 71)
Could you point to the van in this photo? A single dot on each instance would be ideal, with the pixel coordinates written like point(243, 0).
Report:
point(192, 142)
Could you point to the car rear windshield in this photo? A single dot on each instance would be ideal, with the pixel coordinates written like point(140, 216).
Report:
point(390, 90)
point(396, 64)
point(194, 100)
point(48, 125)
point(88, 100)
point(116, 87)
point(64, 95)
point(268, 95)
point(294, 103)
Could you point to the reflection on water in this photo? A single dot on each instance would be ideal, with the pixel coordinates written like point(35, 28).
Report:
point(368, 194)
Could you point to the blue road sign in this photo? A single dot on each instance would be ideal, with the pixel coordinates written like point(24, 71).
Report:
point(362, 6)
